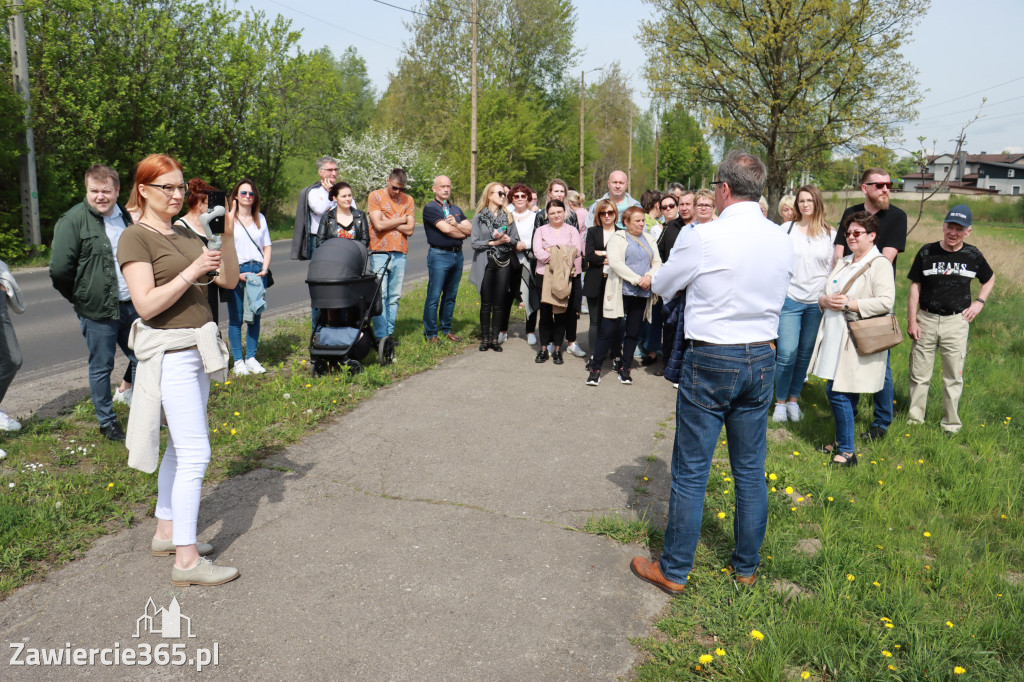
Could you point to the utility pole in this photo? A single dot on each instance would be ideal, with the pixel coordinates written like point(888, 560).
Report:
point(583, 94)
point(629, 163)
point(27, 167)
point(657, 134)
point(472, 127)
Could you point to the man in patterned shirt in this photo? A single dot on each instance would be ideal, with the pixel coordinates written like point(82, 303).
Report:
point(392, 220)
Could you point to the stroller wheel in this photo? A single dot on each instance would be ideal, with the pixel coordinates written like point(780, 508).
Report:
point(319, 367)
point(386, 351)
point(353, 366)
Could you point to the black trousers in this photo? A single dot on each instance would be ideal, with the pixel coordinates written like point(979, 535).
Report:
point(493, 297)
point(633, 308)
point(552, 326)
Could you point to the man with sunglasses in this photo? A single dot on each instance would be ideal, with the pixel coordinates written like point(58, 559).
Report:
point(313, 202)
point(890, 240)
point(83, 268)
point(392, 220)
point(446, 228)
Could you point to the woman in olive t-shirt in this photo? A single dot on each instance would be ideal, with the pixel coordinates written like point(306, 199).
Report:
point(165, 267)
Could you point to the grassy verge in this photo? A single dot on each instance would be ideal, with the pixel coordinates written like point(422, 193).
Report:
point(62, 484)
point(907, 567)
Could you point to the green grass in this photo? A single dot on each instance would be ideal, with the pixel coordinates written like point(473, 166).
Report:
point(953, 597)
point(62, 484)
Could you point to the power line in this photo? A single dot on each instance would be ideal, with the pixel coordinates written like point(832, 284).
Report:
point(452, 10)
point(963, 111)
point(976, 92)
point(321, 20)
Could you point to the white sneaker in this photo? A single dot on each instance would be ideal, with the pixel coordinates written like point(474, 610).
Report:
point(575, 349)
point(8, 423)
point(793, 411)
point(123, 396)
point(502, 337)
point(551, 348)
point(531, 339)
point(241, 369)
point(585, 309)
point(780, 413)
point(254, 367)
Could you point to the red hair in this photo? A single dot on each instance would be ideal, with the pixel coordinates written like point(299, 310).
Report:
point(151, 168)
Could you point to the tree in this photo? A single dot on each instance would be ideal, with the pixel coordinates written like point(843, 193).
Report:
point(683, 155)
point(366, 159)
point(789, 78)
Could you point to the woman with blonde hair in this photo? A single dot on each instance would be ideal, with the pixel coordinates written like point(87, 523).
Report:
point(494, 239)
point(787, 208)
point(179, 349)
point(798, 322)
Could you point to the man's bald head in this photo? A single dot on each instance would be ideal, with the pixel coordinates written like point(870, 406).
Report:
point(442, 187)
point(617, 183)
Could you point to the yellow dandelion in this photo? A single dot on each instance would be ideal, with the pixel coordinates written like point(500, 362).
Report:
point(898, 467)
point(725, 570)
point(874, 462)
point(721, 515)
point(792, 509)
point(881, 483)
point(233, 432)
point(892, 667)
point(805, 675)
point(1002, 516)
point(891, 626)
point(799, 499)
point(877, 584)
point(958, 670)
point(706, 658)
point(719, 652)
point(215, 430)
point(772, 477)
point(897, 646)
point(927, 567)
point(697, 668)
point(237, 414)
point(885, 620)
point(887, 654)
point(789, 490)
point(795, 452)
point(879, 547)
point(920, 461)
point(334, 402)
point(906, 435)
point(646, 479)
point(927, 534)
point(227, 382)
point(949, 624)
point(224, 424)
point(727, 479)
point(725, 492)
point(756, 634)
point(109, 486)
point(849, 576)
point(308, 385)
point(774, 490)
point(830, 499)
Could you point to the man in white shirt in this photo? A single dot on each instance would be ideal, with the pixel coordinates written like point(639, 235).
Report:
point(735, 273)
point(313, 202)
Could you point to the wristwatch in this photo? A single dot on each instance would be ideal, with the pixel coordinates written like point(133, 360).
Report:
point(846, 307)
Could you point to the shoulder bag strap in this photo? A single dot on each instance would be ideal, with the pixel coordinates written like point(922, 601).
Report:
point(860, 272)
point(790, 227)
point(246, 230)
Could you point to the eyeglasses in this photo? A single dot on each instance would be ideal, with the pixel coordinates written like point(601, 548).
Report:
point(394, 188)
point(169, 190)
point(716, 183)
point(879, 185)
point(704, 206)
point(667, 207)
point(246, 194)
point(856, 233)
point(607, 213)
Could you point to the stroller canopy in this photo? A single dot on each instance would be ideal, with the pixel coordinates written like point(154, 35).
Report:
point(337, 260)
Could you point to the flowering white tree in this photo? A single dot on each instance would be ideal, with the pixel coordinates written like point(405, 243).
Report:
point(366, 159)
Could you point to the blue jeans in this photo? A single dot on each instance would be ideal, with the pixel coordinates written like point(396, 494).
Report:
point(842, 410)
point(390, 291)
point(884, 398)
point(798, 328)
point(652, 343)
point(236, 301)
point(444, 270)
point(730, 385)
point(102, 337)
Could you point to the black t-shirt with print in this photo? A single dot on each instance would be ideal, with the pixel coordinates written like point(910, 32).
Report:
point(892, 230)
point(945, 277)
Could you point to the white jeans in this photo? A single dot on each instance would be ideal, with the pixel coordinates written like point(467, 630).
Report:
point(185, 389)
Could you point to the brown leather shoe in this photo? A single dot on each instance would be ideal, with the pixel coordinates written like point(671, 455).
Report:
point(454, 339)
point(746, 579)
point(431, 339)
point(650, 571)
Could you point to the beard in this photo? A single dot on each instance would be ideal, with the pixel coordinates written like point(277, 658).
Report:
point(881, 203)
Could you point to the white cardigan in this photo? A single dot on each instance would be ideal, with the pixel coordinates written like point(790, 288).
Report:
point(149, 344)
point(619, 271)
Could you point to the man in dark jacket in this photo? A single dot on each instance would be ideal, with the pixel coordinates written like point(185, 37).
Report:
point(312, 204)
point(83, 268)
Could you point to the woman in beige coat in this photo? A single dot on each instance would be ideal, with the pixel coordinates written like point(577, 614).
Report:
point(632, 260)
point(835, 358)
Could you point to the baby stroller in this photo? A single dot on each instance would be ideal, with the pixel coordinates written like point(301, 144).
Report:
point(346, 298)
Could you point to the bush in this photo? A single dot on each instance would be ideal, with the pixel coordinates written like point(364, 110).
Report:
point(987, 210)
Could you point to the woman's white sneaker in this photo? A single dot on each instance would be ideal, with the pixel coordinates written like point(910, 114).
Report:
point(780, 413)
point(240, 368)
point(794, 412)
point(254, 366)
point(8, 423)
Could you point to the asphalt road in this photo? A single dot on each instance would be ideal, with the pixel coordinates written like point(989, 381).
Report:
point(55, 357)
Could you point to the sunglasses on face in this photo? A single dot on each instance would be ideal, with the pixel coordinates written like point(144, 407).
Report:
point(243, 193)
point(607, 213)
point(855, 233)
point(667, 207)
point(879, 185)
point(501, 194)
point(519, 195)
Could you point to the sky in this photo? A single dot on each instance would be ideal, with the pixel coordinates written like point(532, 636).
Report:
point(959, 58)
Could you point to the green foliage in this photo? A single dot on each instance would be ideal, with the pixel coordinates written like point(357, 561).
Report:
point(683, 155)
point(789, 80)
point(12, 146)
point(366, 160)
point(988, 210)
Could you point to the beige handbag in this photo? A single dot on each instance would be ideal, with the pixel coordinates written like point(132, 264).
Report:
point(873, 334)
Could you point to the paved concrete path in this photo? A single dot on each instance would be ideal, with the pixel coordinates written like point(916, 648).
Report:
point(427, 535)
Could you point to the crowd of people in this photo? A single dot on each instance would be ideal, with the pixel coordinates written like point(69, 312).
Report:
point(700, 286)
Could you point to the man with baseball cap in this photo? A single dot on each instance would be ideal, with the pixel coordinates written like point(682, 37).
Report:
point(939, 313)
